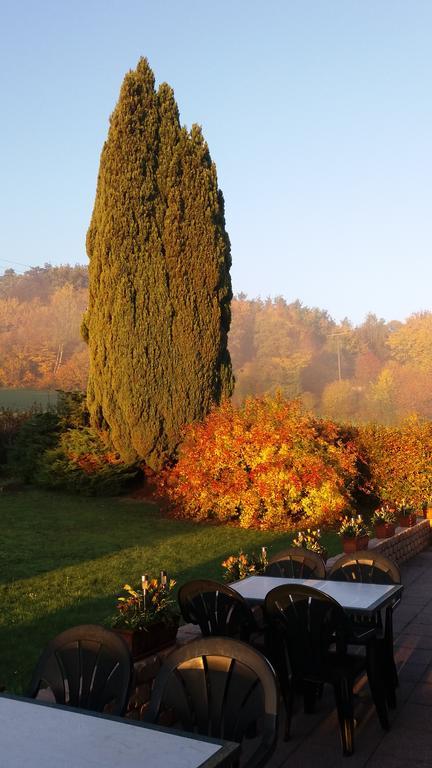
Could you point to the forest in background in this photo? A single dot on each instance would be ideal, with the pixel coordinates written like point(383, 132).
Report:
point(376, 371)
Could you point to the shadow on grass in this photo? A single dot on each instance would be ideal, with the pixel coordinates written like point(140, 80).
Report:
point(21, 644)
point(42, 532)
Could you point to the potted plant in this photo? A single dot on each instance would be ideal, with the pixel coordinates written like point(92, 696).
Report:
point(353, 533)
point(311, 540)
point(427, 509)
point(406, 514)
point(147, 618)
point(237, 567)
point(384, 521)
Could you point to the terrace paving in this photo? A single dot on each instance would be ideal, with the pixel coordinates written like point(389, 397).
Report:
point(315, 741)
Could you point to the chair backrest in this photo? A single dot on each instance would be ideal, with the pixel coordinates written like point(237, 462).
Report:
point(222, 688)
point(304, 623)
point(216, 608)
point(86, 666)
point(297, 563)
point(366, 567)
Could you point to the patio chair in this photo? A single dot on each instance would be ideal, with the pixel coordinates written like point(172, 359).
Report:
point(217, 609)
point(308, 645)
point(222, 688)
point(88, 667)
point(372, 568)
point(296, 563)
point(367, 567)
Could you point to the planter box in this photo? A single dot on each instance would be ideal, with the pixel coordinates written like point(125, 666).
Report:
point(142, 642)
point(406, 521)
point(354, 544)
point(385, 530)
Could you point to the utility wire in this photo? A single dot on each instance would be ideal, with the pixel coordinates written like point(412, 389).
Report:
point(16, 263)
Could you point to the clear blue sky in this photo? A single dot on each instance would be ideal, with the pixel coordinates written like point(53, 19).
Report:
point(318, 114)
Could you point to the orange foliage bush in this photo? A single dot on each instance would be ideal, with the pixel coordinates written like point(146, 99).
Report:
point(266, 464)
point(399, 459)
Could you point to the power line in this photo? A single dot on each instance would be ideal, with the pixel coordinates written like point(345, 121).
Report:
point(17, 263)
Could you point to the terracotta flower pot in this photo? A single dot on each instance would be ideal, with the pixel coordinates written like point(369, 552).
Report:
point(406, 521)
point(142, 642)
point(353, 544)
point(384, 530)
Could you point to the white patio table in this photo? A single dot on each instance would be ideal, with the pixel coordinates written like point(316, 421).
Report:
point(43, 735)
point(357, 599)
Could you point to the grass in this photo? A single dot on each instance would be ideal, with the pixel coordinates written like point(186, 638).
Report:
point(25, 399)
point(63, 559)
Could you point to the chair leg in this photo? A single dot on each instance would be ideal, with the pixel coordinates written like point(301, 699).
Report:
point(288, 698)
point(344, 702)
point(310, 691)
point(279, 658)
point(389, 673)
point(387, 649)
point(377, 683)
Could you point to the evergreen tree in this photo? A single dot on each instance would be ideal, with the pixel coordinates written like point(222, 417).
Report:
point(160, 289)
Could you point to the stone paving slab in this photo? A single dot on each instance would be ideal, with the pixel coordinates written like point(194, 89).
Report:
point(315, 741)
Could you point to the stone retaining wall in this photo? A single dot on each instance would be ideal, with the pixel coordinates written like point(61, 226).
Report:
point(406, 543)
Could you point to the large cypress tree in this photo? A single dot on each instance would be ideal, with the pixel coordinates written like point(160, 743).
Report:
point(160, 289)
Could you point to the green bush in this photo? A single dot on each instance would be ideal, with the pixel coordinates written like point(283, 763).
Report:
point(36, 435)
point(81, 463)
point(72, 410)
point(10, 425)
point(59, 451)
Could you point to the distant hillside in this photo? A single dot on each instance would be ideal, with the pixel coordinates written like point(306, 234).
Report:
point(41, 282)
point(40, 317)
point(374, 371)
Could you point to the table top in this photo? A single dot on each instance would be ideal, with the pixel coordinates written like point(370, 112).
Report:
point(355, 597)
point(42, 735)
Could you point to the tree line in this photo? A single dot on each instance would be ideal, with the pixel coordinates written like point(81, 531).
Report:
point(376, 371)
point(40, 317)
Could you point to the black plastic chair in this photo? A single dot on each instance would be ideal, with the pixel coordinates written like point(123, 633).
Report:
point(222, 688)
point(366, 567)
point(88, 667)
point(372, 568)
point(308, 639)
point(217, 609)
point(296, 563)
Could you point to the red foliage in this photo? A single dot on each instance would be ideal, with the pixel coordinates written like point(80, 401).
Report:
point(265, 464)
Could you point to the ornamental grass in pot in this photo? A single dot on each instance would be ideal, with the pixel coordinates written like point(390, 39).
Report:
point(384, 521)
point(147, 618)
point(353, 533)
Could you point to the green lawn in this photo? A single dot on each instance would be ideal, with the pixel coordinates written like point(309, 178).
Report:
point(64, 558)
point(25, 399)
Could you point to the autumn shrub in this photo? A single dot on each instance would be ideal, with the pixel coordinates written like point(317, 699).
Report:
point(265, 464)
point(399, 459)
